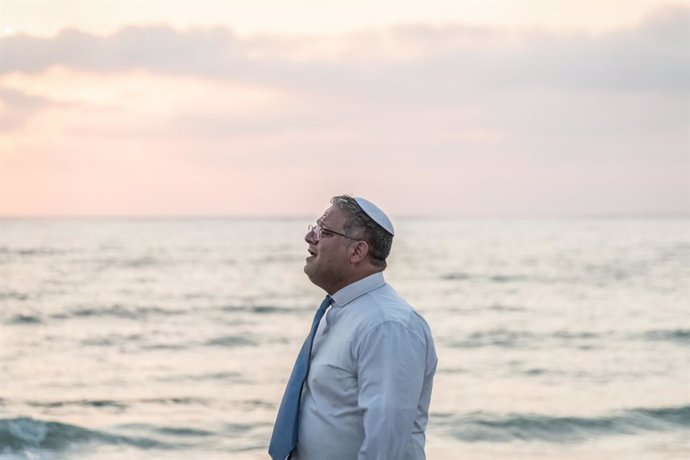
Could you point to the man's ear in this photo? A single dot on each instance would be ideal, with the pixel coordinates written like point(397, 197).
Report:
point(359, 252)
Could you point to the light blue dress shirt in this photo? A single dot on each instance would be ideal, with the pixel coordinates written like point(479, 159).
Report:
point(369, 385)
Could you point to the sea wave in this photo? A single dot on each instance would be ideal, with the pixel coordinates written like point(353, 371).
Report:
point(117, 311)
point(259, 309)
point(120, 404)
point(497, 337)
point(495, 278)
point(24, 318)
point(128, 312)
point(483, 427)
point(674, 335)
point(231, 341)
point(30, 251)
point(510, 338)
point(22, 433)
point(13, 295)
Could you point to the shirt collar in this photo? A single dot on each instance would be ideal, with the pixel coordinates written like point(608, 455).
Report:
point(358, 289)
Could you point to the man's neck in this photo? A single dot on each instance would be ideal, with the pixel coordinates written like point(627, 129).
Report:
point(356, 276)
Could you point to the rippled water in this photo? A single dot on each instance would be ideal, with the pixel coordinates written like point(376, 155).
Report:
point(172, 339)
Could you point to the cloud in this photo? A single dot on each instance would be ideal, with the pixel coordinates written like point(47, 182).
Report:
point(408, 67)
point(495, 116)
point(17, 106)
point(415, 62)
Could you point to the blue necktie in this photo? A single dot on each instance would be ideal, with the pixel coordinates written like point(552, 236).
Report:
point(284, 437)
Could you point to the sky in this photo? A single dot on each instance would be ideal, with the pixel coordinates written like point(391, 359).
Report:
point(268, 108)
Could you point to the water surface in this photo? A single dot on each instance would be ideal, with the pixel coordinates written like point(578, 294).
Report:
point(173, 339)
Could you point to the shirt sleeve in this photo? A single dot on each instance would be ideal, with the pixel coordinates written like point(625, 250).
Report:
point(390, 375)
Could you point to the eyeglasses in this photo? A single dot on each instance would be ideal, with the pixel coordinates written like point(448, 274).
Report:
point(319, 231)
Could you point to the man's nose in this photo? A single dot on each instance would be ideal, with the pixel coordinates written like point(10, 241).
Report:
point(310, 237)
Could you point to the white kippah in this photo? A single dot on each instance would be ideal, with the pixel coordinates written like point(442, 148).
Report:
point(376, 214)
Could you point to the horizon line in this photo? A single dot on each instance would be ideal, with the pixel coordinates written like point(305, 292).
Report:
point(405, 216)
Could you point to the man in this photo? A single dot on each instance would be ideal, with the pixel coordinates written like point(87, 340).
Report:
point(361, 386)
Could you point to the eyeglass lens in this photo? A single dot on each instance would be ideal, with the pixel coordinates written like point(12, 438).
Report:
point(316, 230)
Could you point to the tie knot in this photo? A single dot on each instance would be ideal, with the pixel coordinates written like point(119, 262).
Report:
point(326, 303)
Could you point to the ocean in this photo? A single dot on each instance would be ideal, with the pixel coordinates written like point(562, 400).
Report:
point(173, 338)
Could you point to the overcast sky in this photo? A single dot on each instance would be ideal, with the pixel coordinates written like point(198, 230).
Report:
point(469, 108)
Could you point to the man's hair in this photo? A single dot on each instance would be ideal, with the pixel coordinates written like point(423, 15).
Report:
point(360, 225)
